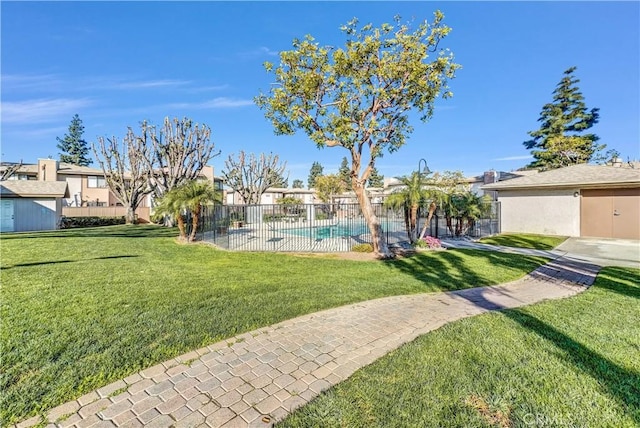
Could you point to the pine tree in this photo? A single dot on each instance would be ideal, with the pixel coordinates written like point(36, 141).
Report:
point(74, 149)
point(314, 173)
point(297, 184)
point(559, 141)
point(345, 173)
point(375, 179)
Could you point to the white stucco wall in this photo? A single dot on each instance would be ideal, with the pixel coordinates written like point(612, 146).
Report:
point(74, 184)
point(36, 214)
point(547, 212)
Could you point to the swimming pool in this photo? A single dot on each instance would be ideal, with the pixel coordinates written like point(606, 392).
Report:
point(323, 232)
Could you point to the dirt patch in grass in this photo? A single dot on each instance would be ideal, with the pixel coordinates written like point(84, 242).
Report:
point(493, 417)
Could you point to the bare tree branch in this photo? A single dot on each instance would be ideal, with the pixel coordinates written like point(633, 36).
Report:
point(11, 169)
point(125, 169)
point(250, 177)
point(180, 152)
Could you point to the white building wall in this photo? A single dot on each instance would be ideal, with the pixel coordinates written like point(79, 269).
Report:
point(74, 184)
point(546, 212)
point(36, 214)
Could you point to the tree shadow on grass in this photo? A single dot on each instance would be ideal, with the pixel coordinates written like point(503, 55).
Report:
point(621, 384)
point(64, 261)
point(124, 231)
point(518, 241)
point(617, 280)
point(448, 270)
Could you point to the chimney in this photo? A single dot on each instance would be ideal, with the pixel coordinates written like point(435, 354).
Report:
point(490, 177)
point(47, 170)
point(616, 162)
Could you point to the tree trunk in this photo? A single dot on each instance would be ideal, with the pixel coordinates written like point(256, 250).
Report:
point(413, 218)
point(130, 217)
point(377, 237)
point(432, 209)
point(195, 219)
point(407, 223)
point(181, 228)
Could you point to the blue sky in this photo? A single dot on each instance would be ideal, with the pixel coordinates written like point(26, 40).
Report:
point(117, 63)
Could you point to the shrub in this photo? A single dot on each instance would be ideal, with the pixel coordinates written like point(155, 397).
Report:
point(428, 242)
point(362, 248)
point(272, 217)
point(75, 222)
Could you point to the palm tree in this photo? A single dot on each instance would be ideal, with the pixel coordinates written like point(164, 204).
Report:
point(190, 197)
point(473, 207)
point(410, 197)
point(194, 195)
point(465, 208)
point(172, 205)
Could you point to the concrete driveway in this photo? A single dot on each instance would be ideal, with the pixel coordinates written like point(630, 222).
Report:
point(601, 251)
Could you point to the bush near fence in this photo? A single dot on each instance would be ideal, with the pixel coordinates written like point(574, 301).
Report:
point(77, 222)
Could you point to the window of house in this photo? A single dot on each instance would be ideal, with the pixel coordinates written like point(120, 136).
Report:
point(18, 177)
point(96, 181)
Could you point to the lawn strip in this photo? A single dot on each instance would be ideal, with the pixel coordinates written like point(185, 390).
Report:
point(572, 362)
point(83, 308)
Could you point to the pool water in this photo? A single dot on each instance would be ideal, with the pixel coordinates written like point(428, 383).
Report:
point(323, 232)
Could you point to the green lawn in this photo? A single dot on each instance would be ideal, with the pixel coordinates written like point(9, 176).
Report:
point(573, 363)
point(523, 240)
point(82, 308)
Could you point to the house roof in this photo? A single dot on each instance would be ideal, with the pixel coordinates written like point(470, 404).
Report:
point(582, 176)
point(34, 189)
point(68, 168)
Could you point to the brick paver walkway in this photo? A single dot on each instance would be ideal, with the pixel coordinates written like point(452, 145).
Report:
point(257, 378)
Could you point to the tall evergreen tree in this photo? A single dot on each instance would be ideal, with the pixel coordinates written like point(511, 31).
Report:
point(375, 179)
point(297, 184)
point(74, 149)
point(345, 173)
point(314, 173)
point(560, 140)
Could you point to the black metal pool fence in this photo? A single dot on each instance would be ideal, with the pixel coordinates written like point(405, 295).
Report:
point(322, 227)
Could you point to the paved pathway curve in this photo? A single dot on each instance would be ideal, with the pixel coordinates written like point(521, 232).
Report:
point(257, 378)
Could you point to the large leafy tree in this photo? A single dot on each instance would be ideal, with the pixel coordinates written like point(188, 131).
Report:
point(251, 176)
point(328, 186)
point(561, 139)
point(297, 184)
point(74, 149)
point(358, 97)
point(315, 172)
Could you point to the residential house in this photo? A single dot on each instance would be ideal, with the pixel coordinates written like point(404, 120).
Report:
point(30, 205)
point(580, 200)
point(88, 193)
point(272, 194)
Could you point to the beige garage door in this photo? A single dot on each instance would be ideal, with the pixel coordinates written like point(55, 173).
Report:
point(610, 213)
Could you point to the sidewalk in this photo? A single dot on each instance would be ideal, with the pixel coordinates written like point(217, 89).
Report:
point(257, 378)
